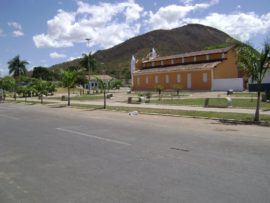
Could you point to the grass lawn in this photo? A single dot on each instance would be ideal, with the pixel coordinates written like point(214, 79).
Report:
point(88, 97)
point(198, 114)
point(244, 94)
point(219, 102)
point(62, 90)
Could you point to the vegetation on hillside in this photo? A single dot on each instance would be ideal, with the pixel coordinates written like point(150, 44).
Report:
point(115, 61)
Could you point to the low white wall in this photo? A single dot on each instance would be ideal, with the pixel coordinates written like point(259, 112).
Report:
point(266, 78)
point(225, 84)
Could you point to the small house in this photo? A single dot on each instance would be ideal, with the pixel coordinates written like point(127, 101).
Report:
point(93, 83)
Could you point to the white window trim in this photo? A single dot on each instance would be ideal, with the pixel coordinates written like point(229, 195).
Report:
point(183, 59)
point(162, 63)
point(146, 80)
point(207, 57)
point(194, 59)
point(172, 61)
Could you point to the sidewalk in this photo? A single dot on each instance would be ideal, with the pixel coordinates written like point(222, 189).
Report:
point(186, 108)
point(159, 106)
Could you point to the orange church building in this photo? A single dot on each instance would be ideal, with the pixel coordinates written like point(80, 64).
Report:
point(209, 70)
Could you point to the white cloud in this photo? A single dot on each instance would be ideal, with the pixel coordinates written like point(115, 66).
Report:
point(17, 33)
point(172, 15)
point(18, 29)
point(239, 25)
point(15, 25)
point(56, 55)
point(105, 23)
point(58, 31)
point(242, 26)
point(108, 24)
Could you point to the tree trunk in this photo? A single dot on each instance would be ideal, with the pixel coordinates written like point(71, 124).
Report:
point(41, 98)
point(4, 95)
point(68, 96)
point(257, 113)
point(104, 99)
point(15, 92)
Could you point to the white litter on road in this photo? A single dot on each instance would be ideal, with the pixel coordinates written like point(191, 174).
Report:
point(133, 113)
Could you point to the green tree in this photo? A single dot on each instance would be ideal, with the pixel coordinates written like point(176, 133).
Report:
point(42, 73)
point(116, 84)
point(51, 87)
point(25, 91)
point(89, 63)
point(69, 80)
point(41, 88)
point(159, 89)
point(126, 74)
point(7, 84)
point(177, 88)
point(255, 64)
point(24, 79)
point(17, 67)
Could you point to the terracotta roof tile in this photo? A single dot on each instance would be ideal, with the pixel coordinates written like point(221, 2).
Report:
point(196, 53)
point(102, 77)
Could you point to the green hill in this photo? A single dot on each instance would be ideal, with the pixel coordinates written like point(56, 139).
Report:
point(193, 37)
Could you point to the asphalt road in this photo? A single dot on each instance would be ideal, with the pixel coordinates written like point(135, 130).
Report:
point(61, 155)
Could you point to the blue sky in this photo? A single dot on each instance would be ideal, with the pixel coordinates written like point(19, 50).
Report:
point(53, 31)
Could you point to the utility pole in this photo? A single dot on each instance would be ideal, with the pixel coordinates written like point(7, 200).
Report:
point(88, 62)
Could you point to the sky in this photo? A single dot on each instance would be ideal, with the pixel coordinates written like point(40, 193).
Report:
point(47, 32)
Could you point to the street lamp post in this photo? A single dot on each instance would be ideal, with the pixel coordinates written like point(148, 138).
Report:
point(88, 63)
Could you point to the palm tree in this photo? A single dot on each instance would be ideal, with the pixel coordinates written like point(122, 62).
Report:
point(104, 86)
point(89, 63)
point(17, 67)
point(255, 64)
point(69, 80)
